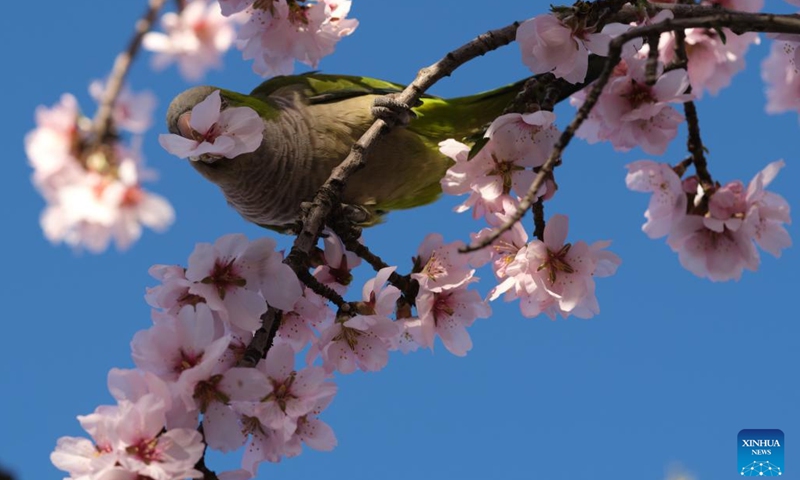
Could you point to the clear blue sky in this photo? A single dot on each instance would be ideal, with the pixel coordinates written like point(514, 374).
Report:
point(670, 371)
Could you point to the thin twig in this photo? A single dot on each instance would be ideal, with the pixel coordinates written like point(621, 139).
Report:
point(736, 21)
point(538, 219)
point(694, 143)
point(208, 474)
point(102, 119)
point(321, 289)
point(651, 69)
point(262, 339)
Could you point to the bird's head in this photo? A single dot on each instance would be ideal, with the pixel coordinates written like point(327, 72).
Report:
point(180, 109)
point(212, 126)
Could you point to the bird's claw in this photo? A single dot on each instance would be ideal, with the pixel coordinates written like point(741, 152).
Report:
point(391, 111)
point(355, 214)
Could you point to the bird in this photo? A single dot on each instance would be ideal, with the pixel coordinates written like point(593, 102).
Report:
point(311, 122)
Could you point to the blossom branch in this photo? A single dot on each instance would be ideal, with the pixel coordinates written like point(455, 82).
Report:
point(738, 22)
point(694, 142)
point(652, 60)
point(102, 120)
point(201, 466)
point(538, 219)
point(262, 338)
point(330, 192)
point(321, 289)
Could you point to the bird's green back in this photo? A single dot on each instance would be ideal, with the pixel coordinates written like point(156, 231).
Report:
point(437, 118)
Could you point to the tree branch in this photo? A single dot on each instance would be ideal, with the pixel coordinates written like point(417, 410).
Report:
point(735, 21)
point(694, 142)
point(102, 119)
point(330, 192)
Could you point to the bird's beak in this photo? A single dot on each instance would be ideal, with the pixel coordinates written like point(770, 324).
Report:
point(184, 127)
point(186, 131)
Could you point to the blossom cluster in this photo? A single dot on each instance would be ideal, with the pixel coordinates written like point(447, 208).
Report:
point(714, 229)
point(631, 113)
point(93, 186)
point(195, 38)
point(546, 275)
point(272, 33)
point(205, 316)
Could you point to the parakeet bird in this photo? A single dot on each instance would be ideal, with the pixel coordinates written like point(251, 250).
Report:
point(310, 123)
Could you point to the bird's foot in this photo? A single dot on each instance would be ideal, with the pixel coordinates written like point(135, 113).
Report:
point(355, 214)
point(391, 111)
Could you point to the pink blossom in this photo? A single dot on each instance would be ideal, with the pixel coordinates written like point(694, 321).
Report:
point(631, 113)
point(364, 340)
point(562, 47)
point(448, 313)
point(129, 443)
point(230, 274)
point(173, 293)
point(297, 326)
point(136, 206)
point(718, 243)
point(517, 144)
point(230, 7)
point(93, 208)
point(222, 422)
point(444, 304)
point(504, 250)
point(132, 111)
point(150, 453)
point(133, 384)
point(338, 262)
point(768, 211)
point(719, 256)
point(196, 38)
point(555, 277)
point(441, 266)
point(312, 431)
point(668, 203)
point(528, 138)
point(286, 394)
point(183, 350)
point(712, 61)
point(410, 338)
point(779, 71)
point(461, 178)
point(92, 197)
point(52, 146)
point(264, 443)
point(209, 133)
point(726, 207)
point(276, 406)
point(278, 33)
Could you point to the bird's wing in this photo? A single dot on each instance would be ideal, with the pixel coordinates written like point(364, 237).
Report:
point(321, 88)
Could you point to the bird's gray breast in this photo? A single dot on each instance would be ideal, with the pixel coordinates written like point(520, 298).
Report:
point(268, 185)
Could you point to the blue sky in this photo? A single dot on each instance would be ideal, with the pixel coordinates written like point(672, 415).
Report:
point(670, 371)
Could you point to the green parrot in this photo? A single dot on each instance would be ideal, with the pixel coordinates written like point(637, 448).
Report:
point(310, 123)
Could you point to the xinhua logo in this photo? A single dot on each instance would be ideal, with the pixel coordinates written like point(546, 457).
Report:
point(760, 453)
